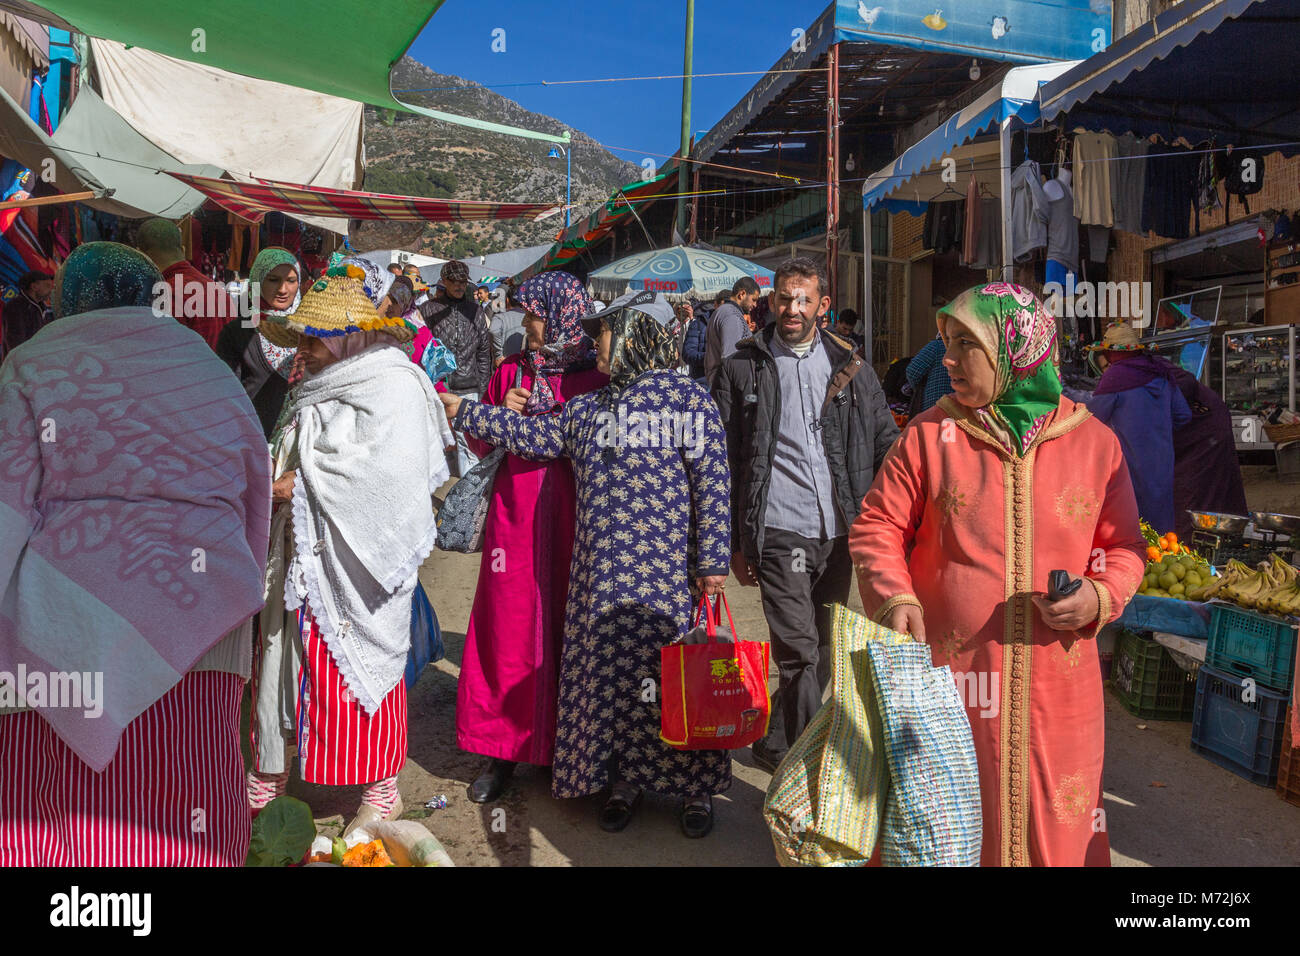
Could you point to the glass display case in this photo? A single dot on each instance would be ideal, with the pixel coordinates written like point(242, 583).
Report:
point(1258, 370)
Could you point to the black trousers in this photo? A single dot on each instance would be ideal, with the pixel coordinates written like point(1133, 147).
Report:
point(800, 578)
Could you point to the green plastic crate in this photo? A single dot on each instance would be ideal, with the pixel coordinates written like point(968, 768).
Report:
point(1148, 682)
point(1252, 644)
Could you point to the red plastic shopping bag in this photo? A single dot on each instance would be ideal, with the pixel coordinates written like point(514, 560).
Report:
point(714, 692)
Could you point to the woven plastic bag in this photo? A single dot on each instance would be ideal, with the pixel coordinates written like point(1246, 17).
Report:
point(889, 759)
point(932, 812)
point(827, 797)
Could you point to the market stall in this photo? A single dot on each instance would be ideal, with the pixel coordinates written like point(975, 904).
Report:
point(1211, 637)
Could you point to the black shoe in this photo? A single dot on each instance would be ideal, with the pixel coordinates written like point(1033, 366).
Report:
point(491, 782)
point(764, 758)
point(697, 817)
point(617, 812)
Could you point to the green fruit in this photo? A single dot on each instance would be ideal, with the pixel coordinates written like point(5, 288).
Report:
point(1192, 581)
point(1177, 589)
point(1168, 580)
point(1187, 561)
point(1179, 570)
point(1151, 580)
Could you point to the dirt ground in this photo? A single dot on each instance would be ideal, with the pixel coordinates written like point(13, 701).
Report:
point(1165, 804)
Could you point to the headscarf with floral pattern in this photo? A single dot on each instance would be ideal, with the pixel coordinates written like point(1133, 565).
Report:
point(561, 300)
point(103, 275)
point(1019, 336)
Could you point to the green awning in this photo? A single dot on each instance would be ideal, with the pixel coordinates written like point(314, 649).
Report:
point(337, 47)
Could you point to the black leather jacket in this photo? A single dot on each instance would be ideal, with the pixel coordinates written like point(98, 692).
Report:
point(467, 339)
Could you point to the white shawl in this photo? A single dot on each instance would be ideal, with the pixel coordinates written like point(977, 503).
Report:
point(370, 458)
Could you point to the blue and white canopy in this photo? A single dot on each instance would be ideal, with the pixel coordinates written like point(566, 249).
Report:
point(1016, 97)
point(678, 272)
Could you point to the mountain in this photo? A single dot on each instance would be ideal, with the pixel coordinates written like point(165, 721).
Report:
point(414, 155)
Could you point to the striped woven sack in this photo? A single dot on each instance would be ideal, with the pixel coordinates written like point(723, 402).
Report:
point(889, 757)
point(826, 799)
point(932, 813)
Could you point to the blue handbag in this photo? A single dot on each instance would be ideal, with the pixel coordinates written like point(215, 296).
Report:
point(426, 637)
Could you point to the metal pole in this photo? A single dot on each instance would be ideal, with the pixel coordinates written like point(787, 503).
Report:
point(695, 202)
point(1004, 154)
point(833, 169)
point(867, 317)
point(686, 116)
point(568, 186)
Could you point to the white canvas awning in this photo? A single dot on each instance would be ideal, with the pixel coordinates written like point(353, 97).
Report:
point(251, 128)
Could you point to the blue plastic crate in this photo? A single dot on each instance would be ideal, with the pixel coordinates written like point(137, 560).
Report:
point(1242, 736)
point(1251, 644)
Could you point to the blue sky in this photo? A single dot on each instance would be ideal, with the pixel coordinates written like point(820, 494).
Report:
point(587, 39)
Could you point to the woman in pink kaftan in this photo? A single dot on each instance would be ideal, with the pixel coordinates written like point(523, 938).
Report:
point(982, 497)
point(509, 676)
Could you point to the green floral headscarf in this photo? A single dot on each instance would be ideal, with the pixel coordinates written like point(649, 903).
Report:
point(1019, 336)
point(267, 261)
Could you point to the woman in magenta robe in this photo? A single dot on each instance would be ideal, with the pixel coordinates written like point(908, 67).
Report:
point(509, 676)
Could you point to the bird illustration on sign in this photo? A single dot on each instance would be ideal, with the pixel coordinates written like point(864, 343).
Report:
point(868, 14)
point(1001, 27)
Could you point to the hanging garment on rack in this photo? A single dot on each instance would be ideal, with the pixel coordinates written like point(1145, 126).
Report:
point(1063, 230)
point(944, 222)
point(1094, 156)
point(1128, 182)
point(1098, 244)
point(971, 232)
point(1170, 192)
point(988, 242)
point(1029, 212)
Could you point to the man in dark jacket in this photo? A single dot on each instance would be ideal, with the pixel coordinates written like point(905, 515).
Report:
point(28, 312)
point(807, 426)
point(693, 346)
point(461, 324)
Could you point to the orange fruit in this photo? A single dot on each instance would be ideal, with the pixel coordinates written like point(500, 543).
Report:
point(1153, 554)
point(1173, 538)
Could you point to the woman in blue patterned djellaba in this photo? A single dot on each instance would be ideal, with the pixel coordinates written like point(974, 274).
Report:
point(649, 457)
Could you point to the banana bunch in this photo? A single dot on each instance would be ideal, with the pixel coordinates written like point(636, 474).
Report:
point(1273, 588)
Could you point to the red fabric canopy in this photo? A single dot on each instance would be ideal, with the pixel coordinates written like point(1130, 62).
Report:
point(252, 201)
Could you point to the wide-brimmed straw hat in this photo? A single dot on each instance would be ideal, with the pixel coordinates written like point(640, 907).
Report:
point(1118, 338)
point(336, 304)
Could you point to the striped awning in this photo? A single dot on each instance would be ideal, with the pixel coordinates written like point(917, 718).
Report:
point(254, 200)
point(621, 206)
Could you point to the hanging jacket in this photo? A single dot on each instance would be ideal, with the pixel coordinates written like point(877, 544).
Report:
point(1029, 212)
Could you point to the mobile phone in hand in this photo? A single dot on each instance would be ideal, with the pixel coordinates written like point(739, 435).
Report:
point(1060, 585)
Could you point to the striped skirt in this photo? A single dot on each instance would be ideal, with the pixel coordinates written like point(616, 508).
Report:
point(173, 795)
point(338, 743)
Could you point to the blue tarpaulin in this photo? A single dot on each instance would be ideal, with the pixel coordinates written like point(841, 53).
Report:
point(1188, 618)
point(1024, 31)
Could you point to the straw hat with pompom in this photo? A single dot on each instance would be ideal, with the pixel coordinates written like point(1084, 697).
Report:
point(1120, 337)
point(335, 304)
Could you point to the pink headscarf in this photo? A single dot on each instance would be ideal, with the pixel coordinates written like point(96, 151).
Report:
point(347, 346)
